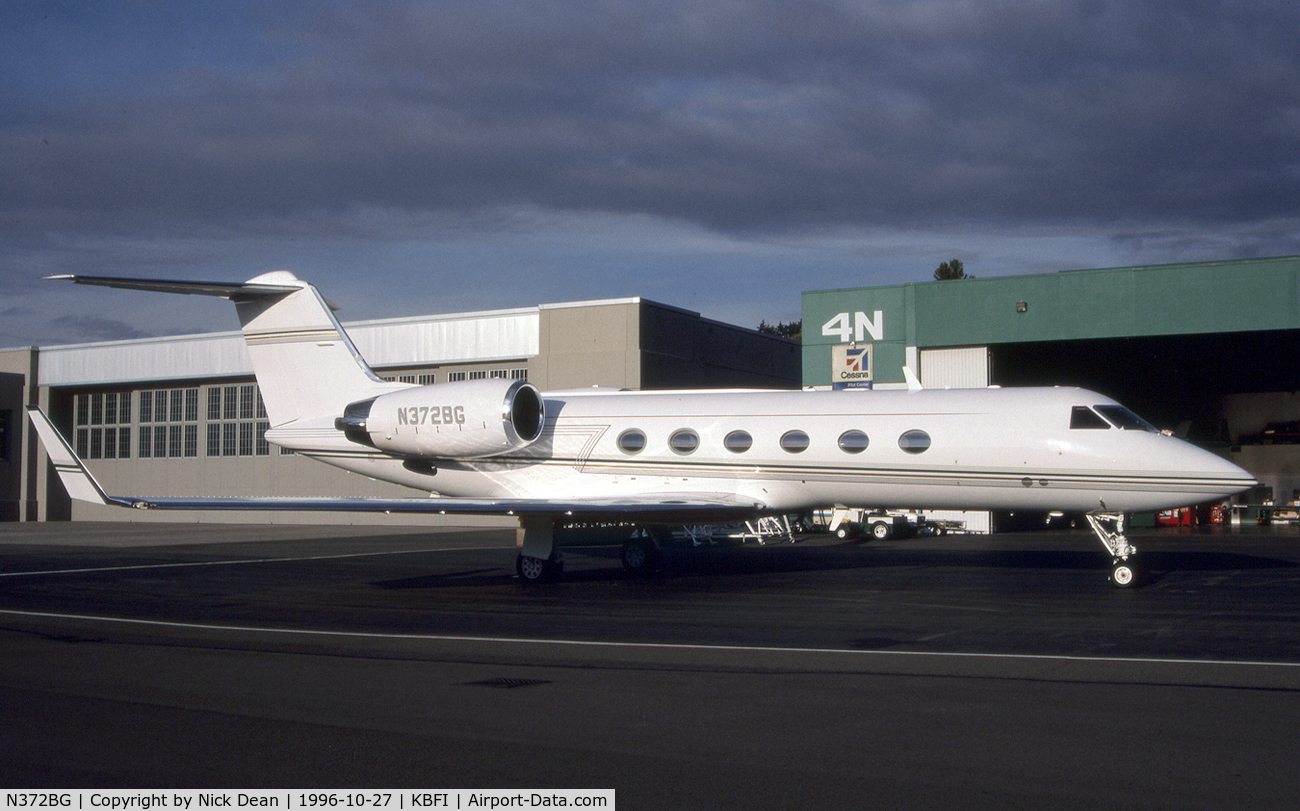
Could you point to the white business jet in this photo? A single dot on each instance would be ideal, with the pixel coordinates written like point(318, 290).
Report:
point(662, 458)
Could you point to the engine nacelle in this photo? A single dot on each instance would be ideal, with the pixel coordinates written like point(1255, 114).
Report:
point(468, 419)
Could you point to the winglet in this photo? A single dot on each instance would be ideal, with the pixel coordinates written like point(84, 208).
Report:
point(913, 382)
point(72, 472)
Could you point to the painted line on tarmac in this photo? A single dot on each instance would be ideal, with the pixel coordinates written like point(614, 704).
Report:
point(241, 562)
point(578, 643)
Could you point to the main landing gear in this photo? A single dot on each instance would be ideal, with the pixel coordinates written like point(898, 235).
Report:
point(1109, 528)
point(539, 561)
point(538, 570)
point(638, 555)
point(642, 551)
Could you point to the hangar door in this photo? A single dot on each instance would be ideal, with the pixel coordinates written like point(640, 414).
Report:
point(961, 368)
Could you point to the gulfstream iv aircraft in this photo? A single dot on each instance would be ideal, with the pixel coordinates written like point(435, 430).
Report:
point(662, 458)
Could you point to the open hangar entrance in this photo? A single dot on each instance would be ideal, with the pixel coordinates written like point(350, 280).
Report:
point(1237, 393)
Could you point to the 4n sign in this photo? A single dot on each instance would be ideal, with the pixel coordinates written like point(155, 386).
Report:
point(838, 327)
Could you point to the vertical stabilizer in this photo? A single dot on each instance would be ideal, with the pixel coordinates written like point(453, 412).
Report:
point(306, 365)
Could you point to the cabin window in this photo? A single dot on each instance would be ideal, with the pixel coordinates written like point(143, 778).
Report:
point(914, 442)
point(738, 441)
point(853, 442)
point(1123, 418)
point(684, 441)
point(794, 441)
point(632, 441)
point(1082, 417)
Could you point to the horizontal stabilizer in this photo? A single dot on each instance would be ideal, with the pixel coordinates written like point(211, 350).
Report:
point(220, 289)
point(277, 283)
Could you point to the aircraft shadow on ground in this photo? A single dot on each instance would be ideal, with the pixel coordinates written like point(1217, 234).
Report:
point(729, 561)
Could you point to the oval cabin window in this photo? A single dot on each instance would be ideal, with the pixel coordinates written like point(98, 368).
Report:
point(631, 441)
point(738, 441)
point(914, 442)
point(794, 441)
point(853, 442)
point(684, 441)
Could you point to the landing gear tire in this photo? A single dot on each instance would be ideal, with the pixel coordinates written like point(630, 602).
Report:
point(638, 556)
point(1123, 574)
point(536, 570)
point(881, 531)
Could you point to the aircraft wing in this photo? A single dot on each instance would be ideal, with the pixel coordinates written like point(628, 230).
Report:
point(663, 507)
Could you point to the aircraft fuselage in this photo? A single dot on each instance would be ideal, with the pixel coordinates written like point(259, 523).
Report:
point(797, 450)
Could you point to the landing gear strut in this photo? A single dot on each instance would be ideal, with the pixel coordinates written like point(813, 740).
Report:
point(539, 560)
point(1109, 528)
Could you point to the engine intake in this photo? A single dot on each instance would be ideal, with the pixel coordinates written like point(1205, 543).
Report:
point(463, 420)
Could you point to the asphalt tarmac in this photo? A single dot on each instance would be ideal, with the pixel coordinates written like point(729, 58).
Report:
point(995, 671)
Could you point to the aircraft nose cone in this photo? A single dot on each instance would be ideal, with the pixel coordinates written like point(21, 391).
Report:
point(1234, 478)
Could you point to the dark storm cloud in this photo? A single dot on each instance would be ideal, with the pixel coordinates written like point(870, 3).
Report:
point(97, 328)
point(65, 329)
point(740, 116)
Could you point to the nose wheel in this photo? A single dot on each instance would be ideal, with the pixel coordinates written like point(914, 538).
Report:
point(1109, 529)
point(1123, 574)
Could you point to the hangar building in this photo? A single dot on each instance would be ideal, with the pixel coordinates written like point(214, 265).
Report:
point(182, 415)
point(1207, 350)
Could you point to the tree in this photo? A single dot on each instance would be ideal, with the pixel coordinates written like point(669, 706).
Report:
point(792, 330)
point(951, 270)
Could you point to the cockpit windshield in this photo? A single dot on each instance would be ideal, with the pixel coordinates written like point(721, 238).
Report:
point(1103, 417)
point(1084, 418)
point(1125, 419)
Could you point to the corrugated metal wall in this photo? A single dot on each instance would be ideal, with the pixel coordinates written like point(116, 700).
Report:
point(214, 355)
point(439, 339)
point(481, 337)
point(962, 368)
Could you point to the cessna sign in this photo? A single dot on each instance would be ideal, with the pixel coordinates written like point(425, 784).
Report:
point(851, 365)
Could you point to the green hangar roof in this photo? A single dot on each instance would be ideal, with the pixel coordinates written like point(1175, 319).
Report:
point(1251, 295)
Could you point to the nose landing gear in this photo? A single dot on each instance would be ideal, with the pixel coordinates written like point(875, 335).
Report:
point(1109, 528)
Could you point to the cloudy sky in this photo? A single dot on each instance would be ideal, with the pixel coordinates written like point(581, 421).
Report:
point(718, 155)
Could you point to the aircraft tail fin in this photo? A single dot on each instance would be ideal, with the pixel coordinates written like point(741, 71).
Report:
point(306, 366)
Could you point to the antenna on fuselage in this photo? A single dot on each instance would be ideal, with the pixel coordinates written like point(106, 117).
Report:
point(913, 382)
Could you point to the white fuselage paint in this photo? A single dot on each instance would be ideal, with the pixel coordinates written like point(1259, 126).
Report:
point(989, 449)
